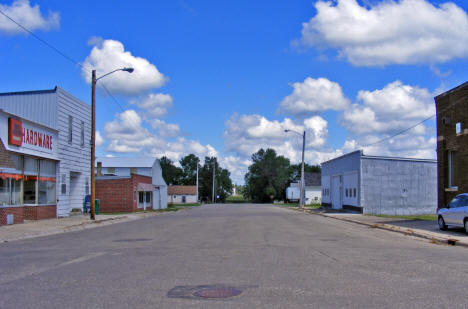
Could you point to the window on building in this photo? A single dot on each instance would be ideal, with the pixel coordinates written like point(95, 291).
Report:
point(133, 170)
point(346, 192)
point(148, 197)
point(70, 130)
point(47, 188)
point(63, 184)
point(354, 193)
point(30, 180)
point(82, 134)
point(452, 171)
point(458, 127)
point(111, 170)
point(141, 197)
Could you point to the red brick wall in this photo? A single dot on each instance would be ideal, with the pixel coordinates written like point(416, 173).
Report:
point(116, 195)
point(40, 212)
point(454, 106)
point(16, 211)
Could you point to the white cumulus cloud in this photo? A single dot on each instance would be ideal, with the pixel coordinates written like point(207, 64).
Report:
point(393, 108)
point(246, 134)
point(28, 16)
point(126, 134)
point(313, 95)
point(156, 105)
point(389, 32)
point(98, 139)
point(110, 55)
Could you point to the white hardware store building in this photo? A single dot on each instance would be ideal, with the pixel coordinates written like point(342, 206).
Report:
point(380, 185)
point(45, 154)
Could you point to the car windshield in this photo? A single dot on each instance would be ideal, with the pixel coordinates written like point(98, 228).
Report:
point(454, 203)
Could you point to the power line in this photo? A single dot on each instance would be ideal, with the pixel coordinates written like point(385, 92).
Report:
point(413, 126)
point(61, 54)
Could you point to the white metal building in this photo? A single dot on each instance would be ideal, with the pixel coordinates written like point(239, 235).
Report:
point(182, 194)
point(313, 189)
point(145, 166)
point(64, 118)
point(380, 185)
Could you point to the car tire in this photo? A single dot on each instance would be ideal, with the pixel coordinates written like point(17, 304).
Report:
point(442, 225)
point(466, 225)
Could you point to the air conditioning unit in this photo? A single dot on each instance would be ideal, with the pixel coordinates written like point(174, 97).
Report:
point(446, 120)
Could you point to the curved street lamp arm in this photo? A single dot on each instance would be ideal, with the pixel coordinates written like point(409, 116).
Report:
point(129, 70)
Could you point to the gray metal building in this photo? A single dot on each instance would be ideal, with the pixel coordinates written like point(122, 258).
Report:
point(380, 185)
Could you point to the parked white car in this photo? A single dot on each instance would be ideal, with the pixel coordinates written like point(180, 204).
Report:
point(455, 213)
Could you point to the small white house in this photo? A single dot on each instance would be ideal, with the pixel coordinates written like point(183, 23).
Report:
point(145, 166)
point(313, 189)
point(182, 194)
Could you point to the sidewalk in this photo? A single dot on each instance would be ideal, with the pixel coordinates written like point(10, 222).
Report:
point(38, 228)
point(419, 228)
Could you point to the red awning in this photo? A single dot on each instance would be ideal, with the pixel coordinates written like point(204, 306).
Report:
point(145, 187)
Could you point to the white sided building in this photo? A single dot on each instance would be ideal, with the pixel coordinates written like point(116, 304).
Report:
point(182, 194)
point(380, 185)
point(46, 135)
point(144, 166)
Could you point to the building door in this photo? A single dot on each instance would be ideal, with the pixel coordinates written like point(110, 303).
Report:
point(156, 199)
point(336, 192)
point(76, 195)
point(141, 199)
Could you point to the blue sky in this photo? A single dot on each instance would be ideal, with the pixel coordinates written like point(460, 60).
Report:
point(227, 77)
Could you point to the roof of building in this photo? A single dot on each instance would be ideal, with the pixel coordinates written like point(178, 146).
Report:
point(465, 84)
point(126, 161)
point(182, 190)
point(29, 92)
point(313, 179)
point(380, 158)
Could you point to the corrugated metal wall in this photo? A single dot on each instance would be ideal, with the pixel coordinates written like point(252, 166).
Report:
point(40, 107)
point(399, 187)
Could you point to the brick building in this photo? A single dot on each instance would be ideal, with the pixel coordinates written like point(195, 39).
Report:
point(452, 143)
point(124, 193)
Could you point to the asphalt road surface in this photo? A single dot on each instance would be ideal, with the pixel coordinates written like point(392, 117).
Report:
point(263, 255)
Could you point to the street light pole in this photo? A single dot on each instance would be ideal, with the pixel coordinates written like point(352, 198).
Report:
point(93, 132)
point(213, 191)
point(93, 138)
point(302, 202)
point(302, 197)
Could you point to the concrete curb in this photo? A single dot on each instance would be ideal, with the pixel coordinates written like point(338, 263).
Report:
point(79, 226)
point(437, 239)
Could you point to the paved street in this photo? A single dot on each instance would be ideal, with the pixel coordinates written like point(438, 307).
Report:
point(278, 258)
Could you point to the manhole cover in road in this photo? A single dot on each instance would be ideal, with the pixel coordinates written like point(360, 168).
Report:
point(218, 292)
point(213, 291)
point(132, 240)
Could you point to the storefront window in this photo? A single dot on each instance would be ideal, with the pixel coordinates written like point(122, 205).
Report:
point(148, 197)
point(30, 180)
point(47, 181)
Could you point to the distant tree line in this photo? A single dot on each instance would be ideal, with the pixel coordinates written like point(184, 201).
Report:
point(186, 175)
point(270, 174)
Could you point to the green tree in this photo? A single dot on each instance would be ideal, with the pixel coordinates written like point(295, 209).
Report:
point(296, 170)
point(189, 169)
point(171, 173)
point(267, 176)
point(223, 184)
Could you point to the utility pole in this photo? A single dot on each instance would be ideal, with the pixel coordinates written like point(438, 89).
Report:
point(302, 202)
point(93, 120)
point(93, 130)
point(197, 180)
point(213, 191)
